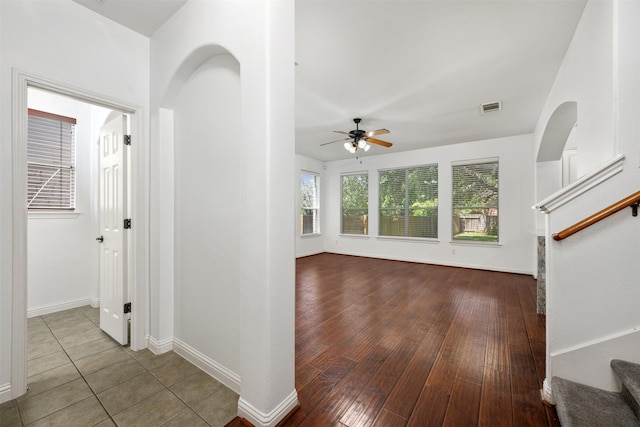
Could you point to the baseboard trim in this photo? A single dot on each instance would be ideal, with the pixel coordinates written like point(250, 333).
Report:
point(436, 262)
point(41, 310)
point(208, 365)
point(260, 419)
point(159, 346)
point(5, 393)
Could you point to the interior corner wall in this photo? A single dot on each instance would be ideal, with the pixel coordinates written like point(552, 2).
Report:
point(66, 43)
point(516, 196)
point(63, 265)
point(208, 174)
point(586, 76)
point(312, 244)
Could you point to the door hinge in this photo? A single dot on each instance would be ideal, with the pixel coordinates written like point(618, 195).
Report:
point(127, 139)
point(127, 223)
point(127, 308)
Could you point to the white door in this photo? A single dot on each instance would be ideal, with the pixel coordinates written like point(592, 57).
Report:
point(112, 241)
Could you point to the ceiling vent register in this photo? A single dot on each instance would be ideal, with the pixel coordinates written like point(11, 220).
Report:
point(490, 107)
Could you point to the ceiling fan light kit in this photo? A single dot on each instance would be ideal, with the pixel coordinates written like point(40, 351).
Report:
point(359, 139)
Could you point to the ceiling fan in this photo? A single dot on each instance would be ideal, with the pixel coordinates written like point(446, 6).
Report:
point(360, 139)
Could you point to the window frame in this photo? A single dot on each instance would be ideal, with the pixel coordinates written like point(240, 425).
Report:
point(407, 226)
point(365, 231)
point(315, 207)
point(496, 206)
point(43, 154)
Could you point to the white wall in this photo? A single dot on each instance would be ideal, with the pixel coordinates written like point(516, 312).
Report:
point(516, 196)
point(592, 276)
point(310, 244)
point(63, 254)
point(208, 175)
point(69, 44)
point(262, 272)
point(586, 76)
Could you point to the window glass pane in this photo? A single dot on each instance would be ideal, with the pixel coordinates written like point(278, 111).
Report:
point(309, 200)
point(50, 161)
point(355, 204)
point(409, 202)
point(475, 201)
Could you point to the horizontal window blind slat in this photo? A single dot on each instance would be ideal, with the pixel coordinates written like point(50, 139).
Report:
point(50, 161)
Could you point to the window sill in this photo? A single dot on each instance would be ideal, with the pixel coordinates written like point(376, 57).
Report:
point(475, 243)
point(311, 235)
point(354, 236)
point(409, 239)
point(53, 214)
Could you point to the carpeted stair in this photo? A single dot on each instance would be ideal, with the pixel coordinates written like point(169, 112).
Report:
point(579, 405)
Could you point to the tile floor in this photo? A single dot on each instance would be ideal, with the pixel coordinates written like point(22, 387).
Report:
point(79, 376)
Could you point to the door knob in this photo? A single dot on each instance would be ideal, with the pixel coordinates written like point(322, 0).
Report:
point(100, 239)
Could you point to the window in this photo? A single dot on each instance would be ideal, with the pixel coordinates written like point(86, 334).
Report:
point(355, 203)
point(475, 200)
point(409, 202)
point(310, 203)
point(50, 161)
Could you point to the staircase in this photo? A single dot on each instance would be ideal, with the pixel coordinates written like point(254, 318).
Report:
point(579, 405)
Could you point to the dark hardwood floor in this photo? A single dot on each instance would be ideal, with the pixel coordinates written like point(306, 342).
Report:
point(387, 343)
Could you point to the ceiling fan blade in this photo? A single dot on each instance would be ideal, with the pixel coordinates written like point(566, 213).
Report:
point(376, 132)
point(337, 140)
point(379, 142)
point(341, 131)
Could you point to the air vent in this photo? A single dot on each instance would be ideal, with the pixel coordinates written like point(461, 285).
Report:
point(490, 107)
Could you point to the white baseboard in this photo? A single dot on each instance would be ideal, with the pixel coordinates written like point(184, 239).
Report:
point(590, 363)
point(159, 346)
point(41, 310)
point(95, 302)
point(210, 366)
point(5, 392)
point(260, 419)
point(437, 262)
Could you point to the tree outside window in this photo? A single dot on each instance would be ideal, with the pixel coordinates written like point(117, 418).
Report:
point(309, 203)
point(409, 202)
point(355, 204)
point(475, 201)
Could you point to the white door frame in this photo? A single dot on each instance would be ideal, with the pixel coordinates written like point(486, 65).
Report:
point(138, 254)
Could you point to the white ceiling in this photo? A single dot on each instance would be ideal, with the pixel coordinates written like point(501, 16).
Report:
point(419, 68)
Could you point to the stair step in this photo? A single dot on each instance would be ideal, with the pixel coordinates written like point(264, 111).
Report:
point(579, 405)
point(629, 374)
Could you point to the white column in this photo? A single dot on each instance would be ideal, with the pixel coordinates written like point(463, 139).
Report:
point(267, 278)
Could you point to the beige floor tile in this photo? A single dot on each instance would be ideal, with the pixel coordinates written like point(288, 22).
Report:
point(78, 338)
point(106, 378)
point(109, 423)
point(95, 362)
point(90, 347)
point(9, 414)
point(67, 317)
point(174, 371)
point(219, 408)
point(53, 400)
point(154, 411)
point(151, 361)
point(47, 380)
point(196, 387)
point(87, 412)
point(120, 397)
point(78, 327)
point(186, 418)
point(42, 346)
point(44, 363)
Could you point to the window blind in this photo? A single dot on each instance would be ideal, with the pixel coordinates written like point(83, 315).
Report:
point(409, 202)
point(475, 200)
point(355, 203)
point(309, 203)
point(50, 161)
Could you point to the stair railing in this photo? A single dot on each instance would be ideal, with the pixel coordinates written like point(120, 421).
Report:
point(632, 201)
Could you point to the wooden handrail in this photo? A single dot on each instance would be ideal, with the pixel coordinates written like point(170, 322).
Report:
point(631, 200)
